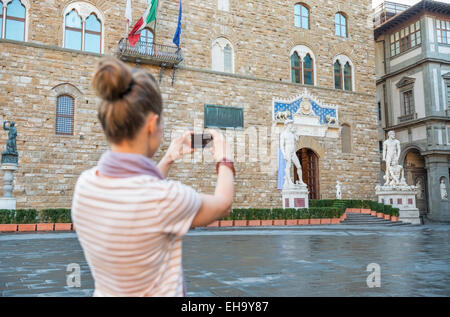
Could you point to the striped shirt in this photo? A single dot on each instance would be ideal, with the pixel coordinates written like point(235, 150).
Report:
point(131, 232)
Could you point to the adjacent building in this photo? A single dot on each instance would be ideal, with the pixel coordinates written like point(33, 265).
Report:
point(412, 49)
point(240, 64)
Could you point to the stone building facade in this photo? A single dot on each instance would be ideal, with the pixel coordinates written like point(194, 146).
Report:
point(413, 96)
point(262, 36)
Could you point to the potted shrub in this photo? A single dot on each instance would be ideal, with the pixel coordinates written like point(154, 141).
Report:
point(395, 214)
point(266, 219)
point(277, 215)
point(239, 218)
point(60, 217)
point(226, 221)
point(303, 217)
point(26, 219)
point(290, 217)
point(6, 221)
point(254, 218)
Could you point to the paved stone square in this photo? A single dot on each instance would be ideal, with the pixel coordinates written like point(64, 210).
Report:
point(296, 261)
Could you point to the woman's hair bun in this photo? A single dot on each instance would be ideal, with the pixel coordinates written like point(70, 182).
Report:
point(112, 79)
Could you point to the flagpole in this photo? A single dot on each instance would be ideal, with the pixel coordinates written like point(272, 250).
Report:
point(156, 21)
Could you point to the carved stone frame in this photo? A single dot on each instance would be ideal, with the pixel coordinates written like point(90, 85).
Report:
point(404, 85)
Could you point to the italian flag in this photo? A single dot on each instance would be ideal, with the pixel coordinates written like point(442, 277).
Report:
point(148, 17)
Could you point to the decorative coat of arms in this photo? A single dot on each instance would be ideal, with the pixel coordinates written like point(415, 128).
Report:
point(311, 117)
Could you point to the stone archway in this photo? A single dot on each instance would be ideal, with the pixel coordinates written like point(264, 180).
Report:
point(310, 171)
point(416, 174)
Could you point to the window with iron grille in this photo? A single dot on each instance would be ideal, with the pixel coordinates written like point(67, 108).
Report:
point(64, 115)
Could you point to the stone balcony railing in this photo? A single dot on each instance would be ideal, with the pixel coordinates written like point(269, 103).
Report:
point(154, 54)
point(407, 117)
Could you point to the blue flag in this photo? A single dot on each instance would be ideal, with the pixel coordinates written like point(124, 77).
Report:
point(176, 37)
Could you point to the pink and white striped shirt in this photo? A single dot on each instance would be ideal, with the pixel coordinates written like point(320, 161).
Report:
point(131, 232)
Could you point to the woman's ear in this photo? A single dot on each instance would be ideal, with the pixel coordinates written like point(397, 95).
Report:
point(152, 123)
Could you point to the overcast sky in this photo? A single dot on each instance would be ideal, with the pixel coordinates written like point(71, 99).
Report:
point(408, 2)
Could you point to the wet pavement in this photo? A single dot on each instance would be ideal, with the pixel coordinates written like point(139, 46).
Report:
point(295, 261)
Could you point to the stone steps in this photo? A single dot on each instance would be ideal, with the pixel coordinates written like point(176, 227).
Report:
point(366, 219)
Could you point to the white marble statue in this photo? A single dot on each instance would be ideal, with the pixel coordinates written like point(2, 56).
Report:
point(444, 195)
point(396, 174)
point(391, 154)
point(338, 190)
point(288, 149)
point(419, 188)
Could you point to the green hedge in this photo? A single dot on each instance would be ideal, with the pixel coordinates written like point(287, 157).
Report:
point(20, 216)
point(324, 208)
point(55, 215)
point(280, 213)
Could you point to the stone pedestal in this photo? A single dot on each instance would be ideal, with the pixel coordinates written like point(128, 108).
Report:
point(403, 198)
point(7, 201)
point(295, 196)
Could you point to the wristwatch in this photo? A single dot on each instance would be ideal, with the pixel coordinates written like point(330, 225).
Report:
point(227, 163)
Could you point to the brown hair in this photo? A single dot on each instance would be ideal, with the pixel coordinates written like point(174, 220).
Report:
point(127, 98)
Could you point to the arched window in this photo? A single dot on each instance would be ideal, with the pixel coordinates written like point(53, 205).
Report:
point(347, 76)
point(64, 115)
point(308, 70)
point(83, 27)
point(222, 56)
point(223, 5)
point(337, 75)
point(1, 19)
point(146, 42)
point(343, 73)
point(73, 31)
point(340, 22)
point(346, 138)
point(15, 21)
point(302, 65)
point(296, 69)
point(93, 34)
point(301, 16)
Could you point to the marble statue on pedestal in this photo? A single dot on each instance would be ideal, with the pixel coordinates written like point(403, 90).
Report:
point(391, 154)
point(338, 190)
point(9, 166)
point(444, 195)
point(395, 191)
point(288, 149)
point(294, 195)
point(396, 174)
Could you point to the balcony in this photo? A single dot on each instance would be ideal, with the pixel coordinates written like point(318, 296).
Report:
point(153, 54)
point(387, 10)
point(408, 117)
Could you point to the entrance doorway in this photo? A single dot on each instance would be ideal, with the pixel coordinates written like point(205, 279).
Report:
point(310, 171)
point(416, 174)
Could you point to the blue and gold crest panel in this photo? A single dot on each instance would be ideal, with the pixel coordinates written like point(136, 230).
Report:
point(292, 107)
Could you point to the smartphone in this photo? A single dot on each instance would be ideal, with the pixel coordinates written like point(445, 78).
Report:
point(200, 140)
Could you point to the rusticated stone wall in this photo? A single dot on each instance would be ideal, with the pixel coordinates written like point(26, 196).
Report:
point(32, 74)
